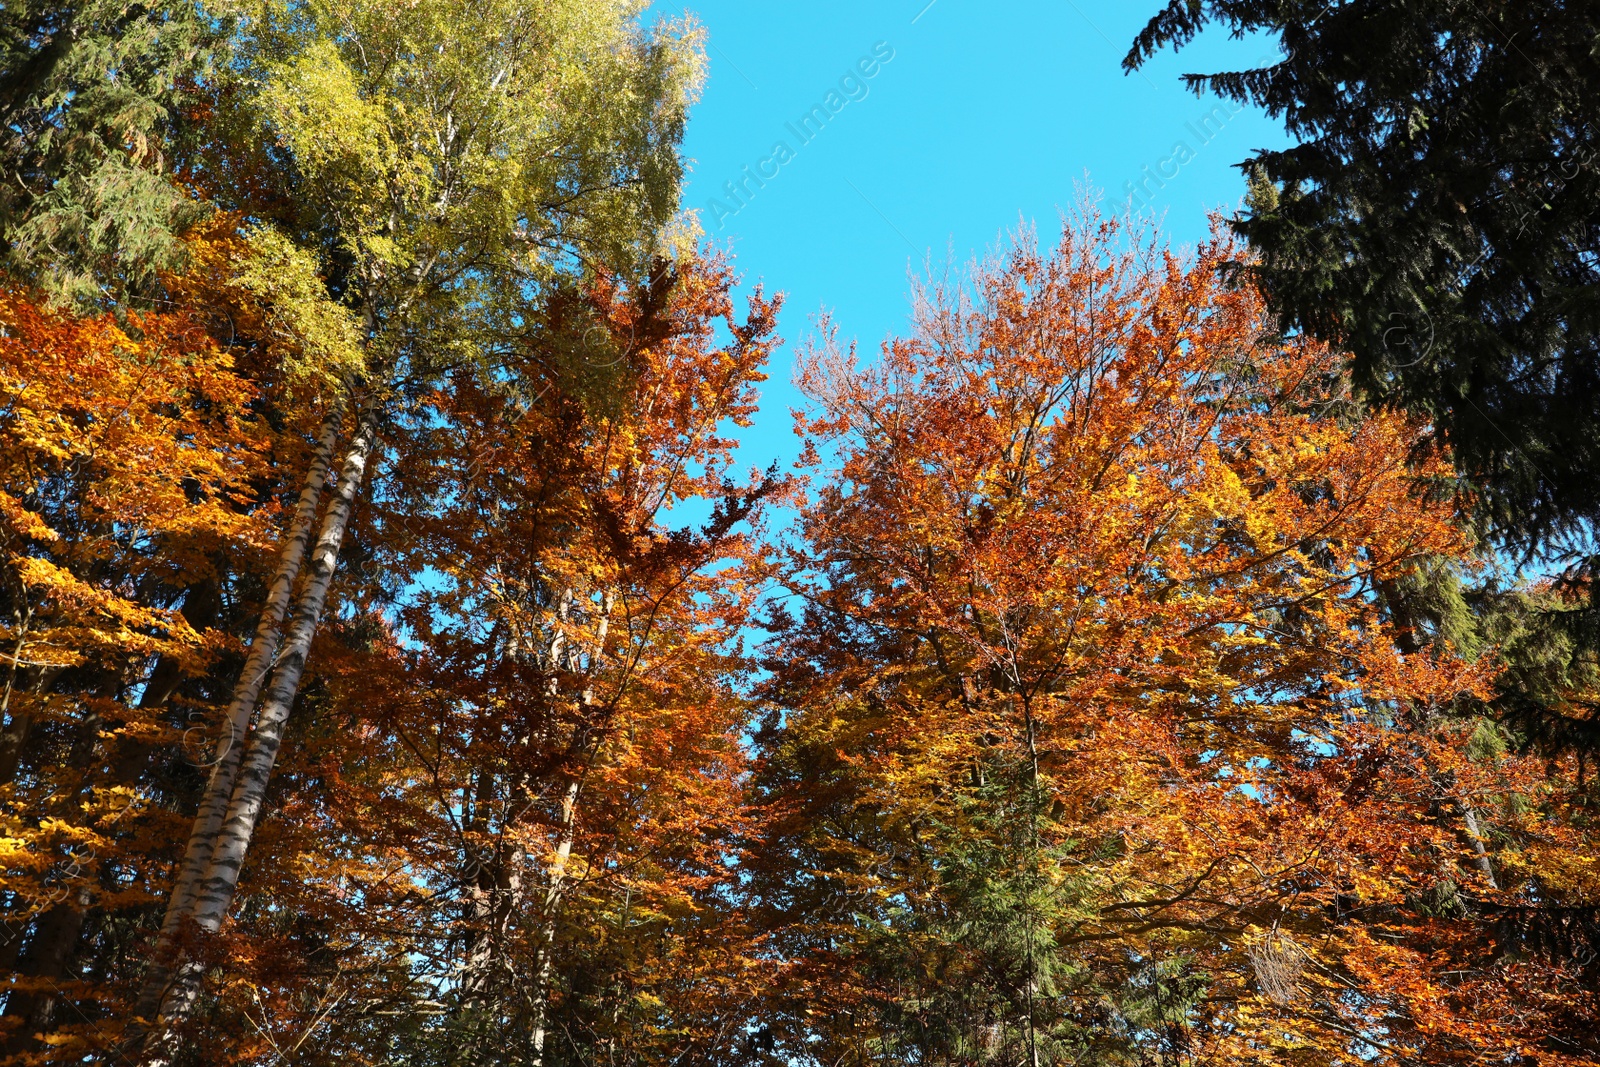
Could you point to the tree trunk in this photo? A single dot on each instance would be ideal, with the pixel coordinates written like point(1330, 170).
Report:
point(57, 932)
point(556, 886)
point(13, 743)
point(202, 606)
point(554, 890)
point(14, 738)
point(493, 885)
point(230, 741)
point(54, 935)
point(1485, 864)
point(214, 891)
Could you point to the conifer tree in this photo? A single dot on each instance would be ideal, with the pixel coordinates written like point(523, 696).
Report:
point(94, 104)
point(1439, 217)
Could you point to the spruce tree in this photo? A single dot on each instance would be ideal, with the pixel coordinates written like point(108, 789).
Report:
point(1439, 216)
point(92, 102)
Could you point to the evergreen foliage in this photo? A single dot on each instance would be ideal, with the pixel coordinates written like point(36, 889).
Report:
point(1439, 216)
point(92, 105)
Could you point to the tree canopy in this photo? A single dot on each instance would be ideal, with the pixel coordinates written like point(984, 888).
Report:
point(398, 666)
point(1095, 742)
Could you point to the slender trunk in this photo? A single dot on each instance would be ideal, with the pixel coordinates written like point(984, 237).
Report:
point(1468, 828)
point(556, 884)
point(58, 931)
point(230, 741)
point(44, 966)
point(493, 878)
point(215, 890)
point(554, 890)
point(13, 929)
point(14, 738)
point(201, 608)
point(476, 906)
point(489, 975)
point(53, 937)
point(1485, 864)
point(1407, 641)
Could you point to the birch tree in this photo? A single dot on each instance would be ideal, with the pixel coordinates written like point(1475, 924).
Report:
point(438, 166)
point(551, 725)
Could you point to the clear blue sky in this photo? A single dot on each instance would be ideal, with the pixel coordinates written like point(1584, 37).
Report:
point(989, 114)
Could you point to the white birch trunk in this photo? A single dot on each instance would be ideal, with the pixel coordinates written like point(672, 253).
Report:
point(215, 891)
point(230, 741)
point(556, 886)
point(1470, 818)
point(554, 890)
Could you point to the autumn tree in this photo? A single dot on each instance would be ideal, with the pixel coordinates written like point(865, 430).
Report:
point(365, 199)
point(582, 648)
point(132, 456)
point(437, 168)
point(1093, 738)
point(509, 813)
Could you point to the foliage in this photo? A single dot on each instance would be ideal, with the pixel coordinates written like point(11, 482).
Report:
point(131, 459)
point(506, 828)
point(93, 102)
point(1136, 693)
point(439, 164)
point(1095, 712)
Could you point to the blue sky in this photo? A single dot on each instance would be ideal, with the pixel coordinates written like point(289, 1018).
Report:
point(987, 115)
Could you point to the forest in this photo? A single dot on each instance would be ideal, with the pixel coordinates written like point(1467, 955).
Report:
point(1159, 655)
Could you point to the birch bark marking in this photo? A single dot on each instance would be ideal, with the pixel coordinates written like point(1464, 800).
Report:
point(215, 891)
point(230, 742)
point(1481, 853)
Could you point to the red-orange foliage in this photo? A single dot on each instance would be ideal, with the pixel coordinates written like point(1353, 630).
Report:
point(1110, 732)
point(1100, 740)
point(509, 809)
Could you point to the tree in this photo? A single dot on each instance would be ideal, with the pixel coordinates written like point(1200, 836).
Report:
point(579, 664)
point(93, 109)
point(377, 200)
point(1437, 217)
point(1096, 740)
point(509, 809)
point(130, 463)
point(438, 168)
